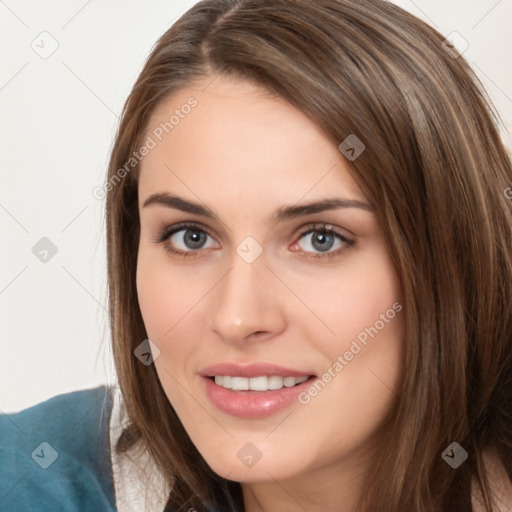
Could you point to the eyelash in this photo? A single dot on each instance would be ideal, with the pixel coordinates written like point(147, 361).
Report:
point(166, 233)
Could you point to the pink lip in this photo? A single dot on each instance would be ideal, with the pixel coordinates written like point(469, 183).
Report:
point(252, 404)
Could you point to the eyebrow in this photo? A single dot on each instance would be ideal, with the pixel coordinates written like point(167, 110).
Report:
point(282, 214)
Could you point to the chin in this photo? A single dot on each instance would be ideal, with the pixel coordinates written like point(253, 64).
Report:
point(246, 465)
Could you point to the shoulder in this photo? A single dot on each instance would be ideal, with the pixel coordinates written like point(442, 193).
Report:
point(56, 455)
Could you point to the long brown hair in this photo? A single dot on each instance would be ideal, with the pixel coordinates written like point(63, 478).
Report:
point(435, 170)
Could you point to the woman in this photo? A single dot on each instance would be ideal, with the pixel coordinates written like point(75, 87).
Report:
point(308, 234)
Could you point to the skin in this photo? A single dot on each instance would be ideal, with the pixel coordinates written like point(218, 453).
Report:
point(245, 153)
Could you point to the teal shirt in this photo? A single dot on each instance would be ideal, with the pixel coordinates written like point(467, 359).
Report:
point(55, 456)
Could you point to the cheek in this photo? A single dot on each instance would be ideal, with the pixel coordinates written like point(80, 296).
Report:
point(367, 301)
point(155, 300)
point(362, 306)
point(170, 300)
point(165, 296)
point(166, 315)
point(370, 337)
point(350, 301)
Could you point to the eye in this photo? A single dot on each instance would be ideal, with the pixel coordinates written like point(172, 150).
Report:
point(322, 241)
point(185, 239)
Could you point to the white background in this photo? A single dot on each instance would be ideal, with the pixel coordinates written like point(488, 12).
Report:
point(57, 122)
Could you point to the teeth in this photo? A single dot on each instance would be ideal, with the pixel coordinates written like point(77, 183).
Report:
point(275, 382)
point(258, 384)
point(289, 382)
point(239, 383)
point(262, 383)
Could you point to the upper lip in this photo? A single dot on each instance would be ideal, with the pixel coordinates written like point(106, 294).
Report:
point(255, 369)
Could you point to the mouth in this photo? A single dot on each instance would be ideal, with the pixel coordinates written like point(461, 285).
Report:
point(254, 390)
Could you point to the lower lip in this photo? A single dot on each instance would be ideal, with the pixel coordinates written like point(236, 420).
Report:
point(253, 404)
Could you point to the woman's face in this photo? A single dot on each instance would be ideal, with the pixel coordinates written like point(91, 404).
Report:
point(261, 288)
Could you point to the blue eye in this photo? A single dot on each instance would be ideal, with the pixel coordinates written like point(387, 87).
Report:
point(323, 239)
point(184, 239)
point(190, 239)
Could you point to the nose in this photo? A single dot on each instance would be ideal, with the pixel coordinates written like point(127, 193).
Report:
point(246, 305)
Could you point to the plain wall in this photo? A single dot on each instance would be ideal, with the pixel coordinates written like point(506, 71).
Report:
point(58, 116)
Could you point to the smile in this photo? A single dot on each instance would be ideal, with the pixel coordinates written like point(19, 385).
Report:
point(254, 389)
point(262, 383)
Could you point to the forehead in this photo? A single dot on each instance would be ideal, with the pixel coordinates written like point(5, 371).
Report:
point(242, 140)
